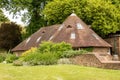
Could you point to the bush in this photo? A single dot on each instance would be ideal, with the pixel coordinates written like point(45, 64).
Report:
point(46, 54)
point(54, 47)
point(32, 50)
point(41, 59)
point(10, 58)
point(72, 53)
point(2, 58)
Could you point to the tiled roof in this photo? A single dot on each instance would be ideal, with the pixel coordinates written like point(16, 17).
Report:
point(73, 30)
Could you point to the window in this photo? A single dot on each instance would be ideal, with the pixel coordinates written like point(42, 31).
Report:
point(38, 40)
point(79, 26)
point(69, 26)
point(43, 31)
point(60, 27)
point(72, 36)
point(96, 36)
point(28, 40)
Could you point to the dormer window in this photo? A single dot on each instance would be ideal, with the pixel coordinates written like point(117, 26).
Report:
point(72, 36)
point(43, 31)
point(69, 26)
point(79, 26)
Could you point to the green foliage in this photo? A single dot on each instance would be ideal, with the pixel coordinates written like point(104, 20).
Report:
point(10, 35)
point(46, 54)
point(104, 19)
point(41, 59)
point(2, 17)
point(116, 3)
point(54, 47)
point(3, 54)
point(10, 58)
point(2, 58)
point(32, 15)
point(89, 49)
point(45, 47)
point(71, 53)
point(32, 50)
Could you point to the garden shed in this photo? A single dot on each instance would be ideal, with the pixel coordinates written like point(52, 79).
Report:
point(73, 30)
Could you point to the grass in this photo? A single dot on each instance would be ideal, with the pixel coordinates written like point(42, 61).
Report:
point(56, 72)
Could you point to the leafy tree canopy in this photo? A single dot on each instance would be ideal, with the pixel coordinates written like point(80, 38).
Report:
point(115, 2)
point(32, 15)
point(10, 35)
point(2, 17)
point(103, 16)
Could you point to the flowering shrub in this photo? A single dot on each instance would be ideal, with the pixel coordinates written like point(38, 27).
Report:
point(32, 50)
point(47, 53)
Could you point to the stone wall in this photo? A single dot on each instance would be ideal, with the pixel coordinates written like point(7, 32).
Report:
point(101, 50)
point(93, 61)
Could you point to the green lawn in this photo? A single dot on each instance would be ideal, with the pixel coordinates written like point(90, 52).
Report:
point(56, 72)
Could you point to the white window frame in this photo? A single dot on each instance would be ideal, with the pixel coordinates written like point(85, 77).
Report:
point(72, 36)
point(79, 26)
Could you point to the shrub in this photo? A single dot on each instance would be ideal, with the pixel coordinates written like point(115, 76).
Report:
point(46, 54)
point(48, 58)
point(41, 59)
point(61, 47)
point(72, 53)
point(45, 47)
point(2, 58)
point(10, 58)
point(54, 47)
point(32, 50)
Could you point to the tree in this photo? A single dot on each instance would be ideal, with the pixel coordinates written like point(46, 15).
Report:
point(2, 17)
point(102, 15)
point(33, 14)
point(10, 35)
point(116, 3)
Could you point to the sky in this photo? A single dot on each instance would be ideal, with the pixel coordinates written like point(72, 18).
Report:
point(11, 18)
